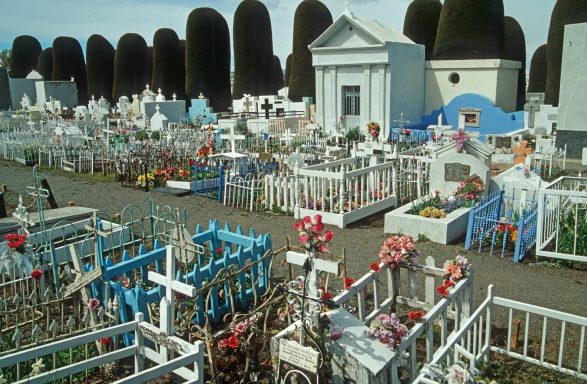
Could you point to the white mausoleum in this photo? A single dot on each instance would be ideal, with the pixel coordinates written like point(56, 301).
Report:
point(367, 71)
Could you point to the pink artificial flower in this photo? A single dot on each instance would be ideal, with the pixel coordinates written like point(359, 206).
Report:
point(240, 327)
point(299, 226)
point(93, 304)
point(317, 228)
point(317, 219)
point(328, 235)
point(304, 238)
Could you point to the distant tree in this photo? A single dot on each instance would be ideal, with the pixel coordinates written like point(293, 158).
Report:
point(421, 23)
point(181, 90)
point(538, 71)
point(24, 56)
point(208, 58)
point(277, 74)
point(253, 50)
point(45, 64)
point(130, 66)
point(470, 29)
point(288, 69)
point(311, 19)
point(514, 48)
point(68, 62)
point(565, 12)
point(100, 66)
point(5, 57)
point(149, 74)
point(167, 62)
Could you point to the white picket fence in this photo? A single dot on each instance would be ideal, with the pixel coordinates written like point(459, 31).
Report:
point(419, 279)
point(188, 354)
point(473, 341)
point(244, 192)
point(562, 220)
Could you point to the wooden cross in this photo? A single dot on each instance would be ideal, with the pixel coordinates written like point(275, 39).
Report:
point(521, 151)
point(247, 103)
point(232, 138)
point(167, 304)
point(267, 107)
point(287, 137)
point(312, 282)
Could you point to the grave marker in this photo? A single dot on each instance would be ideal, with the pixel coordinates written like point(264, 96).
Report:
point(521, 152)
point(266, 107)
point(456, 172)
point(297, 364)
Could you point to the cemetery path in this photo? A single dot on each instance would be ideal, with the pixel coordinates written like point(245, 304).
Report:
point(560, 288)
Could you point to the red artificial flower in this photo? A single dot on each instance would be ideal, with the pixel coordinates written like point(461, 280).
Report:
point(37, 274)
point(232, 342)
point(328, 235)
point(375, 266)
point(348, 282)
point(415, 315)
point(407, 132)
point(219, 250)
point(105, 341)
point(325, 294)
point(192, 162)
point(93, 304)
point(445, 288)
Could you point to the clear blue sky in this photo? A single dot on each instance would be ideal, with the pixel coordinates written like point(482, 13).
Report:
point(47, 19)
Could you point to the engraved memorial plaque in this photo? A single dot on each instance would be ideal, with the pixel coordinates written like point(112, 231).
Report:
point(456, 172)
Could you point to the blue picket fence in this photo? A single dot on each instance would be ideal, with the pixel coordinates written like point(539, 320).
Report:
point(493, 224)
point(211, 178)
point(238, 250)
point(415, 136)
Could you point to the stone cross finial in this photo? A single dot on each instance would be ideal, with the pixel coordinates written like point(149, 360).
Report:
point(147, 87)
point(159, 90)
point(157, 108)
point(174, 97)
point(201, 96)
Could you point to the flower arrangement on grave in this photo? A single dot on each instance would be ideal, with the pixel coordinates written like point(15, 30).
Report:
point(374, 129)
point(388, 329)
point(454, 270)
point(16, 242)
point(143, 179)
point(506, 232)
point(398, 249)
point(311, 236)
point(460, 137)
point(239, 334)
point(469, 189)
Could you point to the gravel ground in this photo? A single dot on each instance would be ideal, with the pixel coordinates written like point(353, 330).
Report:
point(553, 286)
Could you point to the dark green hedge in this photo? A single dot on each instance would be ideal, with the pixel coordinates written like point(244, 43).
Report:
point(564, 12)
point(421, 23)
point(167, 62)
point(288, 69)
point(253, 50)
point(538, 70)
point(24, 56)
point(45, 63)
point(100, 67)
point(470, 29)
point(149, 73)
point(514, 48)
point(181, 90)
point(311, 19)
point(208, 58)
point(277, 72)
point(130, 66)
point(68, 62)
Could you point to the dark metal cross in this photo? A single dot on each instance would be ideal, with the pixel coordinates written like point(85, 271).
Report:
point(266, 107)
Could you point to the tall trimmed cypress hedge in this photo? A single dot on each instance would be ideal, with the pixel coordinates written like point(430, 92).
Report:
point(24, 56)
point(68, 62)
point(288, 69)
point(208, 58)
point(538, 70)
point(470, 29)
point(181, 90)
point(514, 48)
point(166, 62)
point(277, 72)
point(149, 74)
point(130, 66)
point(45, 64)
point(311, 19)
point(100, 66)
point(564, 12)
point(253, 50)
point(421, 23)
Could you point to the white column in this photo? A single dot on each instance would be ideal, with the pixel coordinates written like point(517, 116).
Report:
point(382, 100)
point(335, 102)
point(320, 101)
point(366, 96)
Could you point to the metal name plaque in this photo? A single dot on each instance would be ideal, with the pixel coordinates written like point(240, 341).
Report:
point(456, 172)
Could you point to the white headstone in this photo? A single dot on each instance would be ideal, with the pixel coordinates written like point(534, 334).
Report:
point(159, 98)
point(447, 172)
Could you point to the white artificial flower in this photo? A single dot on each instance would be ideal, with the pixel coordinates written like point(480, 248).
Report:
point(458, 375)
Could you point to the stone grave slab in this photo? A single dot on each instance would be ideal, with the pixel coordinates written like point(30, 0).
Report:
point(173, 191)
point(52, 216)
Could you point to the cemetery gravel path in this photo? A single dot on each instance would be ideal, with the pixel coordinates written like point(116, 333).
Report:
point(559, 288)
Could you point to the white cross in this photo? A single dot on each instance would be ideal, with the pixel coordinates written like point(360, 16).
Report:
point(174, 97)
point(201, 96)
point(247, 103)
point(287, 137)
point(167, 305)
point(312, 283)
point(147, 87)
point(439, 128)
point(157, 108)
point(232, 137)
point(401, 122)
point(23, 217)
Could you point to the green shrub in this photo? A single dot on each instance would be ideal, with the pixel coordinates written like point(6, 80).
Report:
point(208, 58)
point(130, 66)
point(24, 56)
point(538, 71)
point(288, 69)
point(166, 62)
point(311, 19)
point(100, 67)
point(514, 48)
point(68, 62)
point(253, 50)
point(421, 23)
point(470, 29)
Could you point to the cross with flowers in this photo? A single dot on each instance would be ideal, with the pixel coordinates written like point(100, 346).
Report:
point(314, 241)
